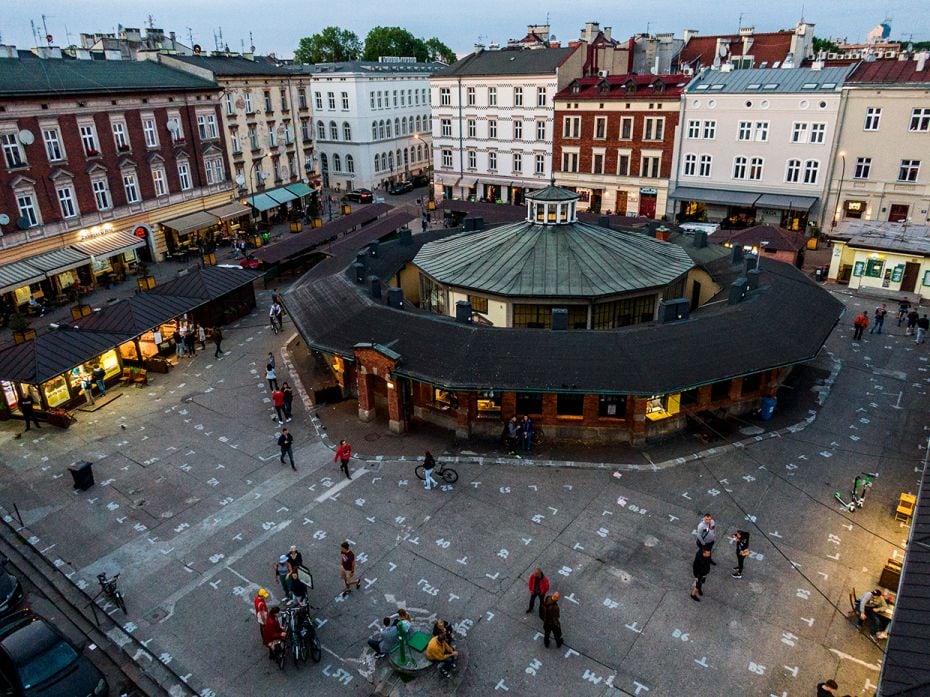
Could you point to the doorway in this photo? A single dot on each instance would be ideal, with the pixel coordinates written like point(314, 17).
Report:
point(909, 280)
point(898, 212)
point(647, 205)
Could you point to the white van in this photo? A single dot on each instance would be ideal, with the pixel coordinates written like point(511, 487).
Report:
point(691, 228)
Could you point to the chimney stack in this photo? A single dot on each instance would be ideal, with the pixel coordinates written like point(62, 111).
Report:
point(359, 271)
point(921, 59)
point(463, 311)
point(753, 276)
point(395, 298)
point(374, 249)
point(738, 290)
point(700, 239)
point(752, 261)
point(736, 254)
point(375, 284)
point(559, 318)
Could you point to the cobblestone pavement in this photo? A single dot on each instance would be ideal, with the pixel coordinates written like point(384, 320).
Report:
point(192, 506)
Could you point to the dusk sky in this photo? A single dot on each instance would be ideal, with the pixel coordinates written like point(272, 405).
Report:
point(277, 26)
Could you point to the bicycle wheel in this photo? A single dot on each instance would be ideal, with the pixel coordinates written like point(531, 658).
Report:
point(421, 472)
point(450, 475)
point(280, 654)
point(296, 643)
point(316, 649)
point(120, 603)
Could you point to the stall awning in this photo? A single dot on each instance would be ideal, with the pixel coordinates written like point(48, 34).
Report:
point(58, 260)
point(725, 197)
point(299, 189)
point(17, 274)
point(110, 244)
point(189, 223)
point(281, 195)
point(795, 203)
point(262, 202)
point(229, 211)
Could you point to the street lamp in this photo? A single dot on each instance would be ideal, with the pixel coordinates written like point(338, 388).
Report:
point(839, 193)
point(252, 171)
point(429, 163)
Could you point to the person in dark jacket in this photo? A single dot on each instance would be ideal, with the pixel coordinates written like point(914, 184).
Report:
point(286, 443)
point(27, 407)
point(218, 340)
point(99, 375)
point(539, 587)
point(552, 623)
point(526, 433)
point(700, 569)
point(742, 551)
point(288, 400)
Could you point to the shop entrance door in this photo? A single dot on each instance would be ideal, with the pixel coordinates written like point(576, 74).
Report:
point(909, 281)
point(620, 208)
point(647, 205)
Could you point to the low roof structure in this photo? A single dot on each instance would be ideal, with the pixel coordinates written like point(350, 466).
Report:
point(884, 236)
point(776, 238)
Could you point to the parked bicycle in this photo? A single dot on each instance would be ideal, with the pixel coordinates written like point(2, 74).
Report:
point(440, 471)
point(110, 588)
point(301, 641)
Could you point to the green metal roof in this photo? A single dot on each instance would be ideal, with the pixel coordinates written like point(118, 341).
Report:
point(281, 195)
point(576, 260)
point(552, 193)
point(262, 202)
point(31, 75)
point(299, 189)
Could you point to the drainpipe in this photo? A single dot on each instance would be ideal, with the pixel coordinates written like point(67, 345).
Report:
point(682, 125)
point(844, 102)
point(461, 142)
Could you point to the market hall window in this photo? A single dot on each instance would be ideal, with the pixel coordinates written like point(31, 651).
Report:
point(478, 304)
point(612, 406)
point(489, 405)
point(569, 405)
point(663, 406)
point(751, 383)
point(528, 403)
point(621, 313)
point(445, 400)
point(719, 391)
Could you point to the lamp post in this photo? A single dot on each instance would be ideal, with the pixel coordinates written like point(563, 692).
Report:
point(429, 163)
point(245, 201)
point(839, 193)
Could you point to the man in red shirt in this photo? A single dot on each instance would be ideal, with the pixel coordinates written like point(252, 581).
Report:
point(539, 587)
point(277, 398)
point(347, 570)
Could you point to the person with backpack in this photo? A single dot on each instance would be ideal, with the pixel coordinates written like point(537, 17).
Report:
point(742, 551)
point(218, 340)
point(429, 462)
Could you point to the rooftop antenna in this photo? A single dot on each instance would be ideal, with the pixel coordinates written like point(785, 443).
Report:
point(151, 21)
point(48, 37)
point(648, 24)
point(68, 36)
point(802, 13)
point(241, 45)
point(190, 36)
point(740, 23)
point(35, 34)
point(251, 43)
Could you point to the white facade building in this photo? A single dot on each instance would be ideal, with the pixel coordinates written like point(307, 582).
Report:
point(370, 121)
point(493, 115)
point(755, 146)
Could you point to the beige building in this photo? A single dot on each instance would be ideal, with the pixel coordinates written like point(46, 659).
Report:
point(882, 166)
point(893, 257)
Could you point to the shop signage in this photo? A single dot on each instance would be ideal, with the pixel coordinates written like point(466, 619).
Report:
point(648, 192)
point(141, 231)
point(897, 273)
point(859, 268)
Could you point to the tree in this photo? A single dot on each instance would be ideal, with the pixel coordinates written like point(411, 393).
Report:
point(438, 51)
point(330, 45)
point(827, 45)
point(393, 41)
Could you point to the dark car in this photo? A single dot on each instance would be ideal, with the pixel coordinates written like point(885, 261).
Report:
point(420, 180)
point(360, 196)
point(36, 660)
point(401, 187)
point(11, 592)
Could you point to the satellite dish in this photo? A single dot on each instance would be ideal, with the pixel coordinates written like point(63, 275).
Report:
point(240, 179)
point(240, 103)
point(4, 219)
point(26, 137)
point(724, 50)
point(197, 49)
point(173, 126)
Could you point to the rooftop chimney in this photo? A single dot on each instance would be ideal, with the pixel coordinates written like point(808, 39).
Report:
point(690, 34)
point(700, 239)
point(747, 31)
point(753, 276)
point(374, 248)
point(674, 310)
point(463, 311)
point(404, 236)
point(736, 254)
point(752, 261)
point(362, 259)
point(559, 318)
point(374, 283)
point(738, 290)
point(395, 298)
point(604, 221)
point(8, 51)
point(359, 271)
point(921, 59)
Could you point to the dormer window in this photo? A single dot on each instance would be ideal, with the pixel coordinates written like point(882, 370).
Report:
point(576, 87)
point(630, 86)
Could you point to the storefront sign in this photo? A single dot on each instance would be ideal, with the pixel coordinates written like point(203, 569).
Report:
point(648, 192)
point(859, 268)
point(897, 273)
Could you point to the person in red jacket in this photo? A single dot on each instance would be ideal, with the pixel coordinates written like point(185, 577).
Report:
point(272, 631)
point(539, 587)
point(343, 453)
point(860, 323)
point(277, 399)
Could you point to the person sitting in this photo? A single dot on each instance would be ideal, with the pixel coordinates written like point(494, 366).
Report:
point(385, 640)
point(868, 606)
point(272, 631)
point(442, 629)
point(439, 651)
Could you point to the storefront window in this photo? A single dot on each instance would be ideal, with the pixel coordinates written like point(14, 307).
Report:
point(874, 268)
point(128, 351)
point(612, 406)
point(752, 383)
point(489, 405)
point(66, 279)
point(9, 394)
point(529, 403)
point(56, 391)
point(663, 406)
point(444, 399)
point(109, 361)
point(569, 405)
point(101, 266)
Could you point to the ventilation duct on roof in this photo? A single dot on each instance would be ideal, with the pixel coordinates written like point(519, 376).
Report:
point(559, 318)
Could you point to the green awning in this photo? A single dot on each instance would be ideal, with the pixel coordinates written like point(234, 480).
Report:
point(262, 202)
point(299, 189)
point(281, 195)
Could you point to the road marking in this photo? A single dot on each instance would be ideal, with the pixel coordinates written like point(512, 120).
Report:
point(845, 656)
point(338, 487)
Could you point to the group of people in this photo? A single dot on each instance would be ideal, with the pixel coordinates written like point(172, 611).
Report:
point(96, 377)
point(519, 434)
point(440, 650)
point(705, 537)
point(187, 337)
point(915, 324)
point(549, 611)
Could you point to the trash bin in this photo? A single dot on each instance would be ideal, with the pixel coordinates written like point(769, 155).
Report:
point(768, 408)
point(83, 474)
point(818, 274)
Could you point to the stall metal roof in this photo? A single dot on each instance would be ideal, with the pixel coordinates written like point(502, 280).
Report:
point(228, 211)
point(53, 353)
point(136, 315)
point(58, 260)
point(300, 189)
point(17, 274)
point(190, 222)
point(109, 244)
point(208, 283)
point(281, 195)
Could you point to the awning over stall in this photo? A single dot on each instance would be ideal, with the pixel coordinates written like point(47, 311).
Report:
point(299, 189)
point(281, 195)
point(229, 211)
point(110, 244)
point(262, 202)
point(189, 223)
point(17, 274)
point(58, 260)
point(786, 201)
point(726, 197)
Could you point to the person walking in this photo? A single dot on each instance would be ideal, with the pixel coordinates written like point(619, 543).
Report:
point(539, 587)
point(99, 375)
point(385, 640)
point(87, 385)
point(190, 343)
point(277, 399)
point(526, 433)
point(270, 360)
point(923, 324)
point(343, 453)
point(286, 443)
point(202, 337)
point(27, 407)
point(347, 568)
point(261, 608)
point(179, 343)
point(859, 325)
point(699, 569)
point(707, 534)
point(218, 340)
point(428, 464)
point(288, 400)
point(827, 688)
point(272, 377)
point(551, 617)
point(912, 318)
point(280, 570)
point(742, 551)
point(903, 306)
point(879, 316)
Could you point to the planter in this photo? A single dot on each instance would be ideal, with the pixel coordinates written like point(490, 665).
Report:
point(145, 283)
point(346, 209)
point(317, 222)
point(297, 226)
point(21, 336)
point(79, 311)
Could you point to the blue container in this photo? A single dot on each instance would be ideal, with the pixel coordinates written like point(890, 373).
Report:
point(768, 408)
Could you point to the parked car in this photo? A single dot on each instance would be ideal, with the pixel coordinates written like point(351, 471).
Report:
point(401, 187)
point(420, 180)
point(360, 196)
point(11, 591)
point(36, 660)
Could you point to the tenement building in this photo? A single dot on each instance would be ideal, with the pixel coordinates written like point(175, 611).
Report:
point(596, 333)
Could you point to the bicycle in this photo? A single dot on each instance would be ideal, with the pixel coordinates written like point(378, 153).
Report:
point(440, 471)
point(110, 588)
point(277, 323)
point(301, 641)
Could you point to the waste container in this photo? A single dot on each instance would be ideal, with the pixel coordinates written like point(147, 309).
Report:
point(768, 408)
point(818, 274)
point(82, 473)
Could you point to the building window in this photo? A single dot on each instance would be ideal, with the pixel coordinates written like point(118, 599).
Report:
point(569, 405)
point(793, 171)
point(380, 105)
point(249, 106)
point(445, 96)
point(649, 166)
point(540, 96)
point(654, 129)
point(920, 120)
point(432, 295)
point(710, 130)
point(818, 132)
point(333, 131)
point(799, 132)
point(381, 131)
point(811, 171)
point(470, 96)
point(445, 127)
point(540, 130)
point(762, 131)
point(66, 202)
point(622, 313)
point(755, 168)
point(272, 138)
point(471, 127)
point(88, 139)
point(600, 128)
point(873, 115)
point(492, 128)
point(318, 100)
point(744, 132)
point(597, 163)
point(160, 181)
point(119, 135)
point(518, 96)
point(694, 129)
point(320, 133)
point(345, 101)
point(53, 148)
point(377, 162)
point(150, 132)
point(518, 130)
point(492, 96)
point(612, 406)
point(206, 127)
point(184, 175)
point(518, 163)
point(472, 159)
point(623, 164)
point(230, 105)
point(447, 158)
point(690, 168)
point(704, 167)
point(337, 163)
point(540, 164)
point(269, 107)
point(101, 194)
point(739, 168)
point(863, 168)
point(374, 130)
point(331, 100)
point(282, 95)
point(569, 161)
point(350, 164)
point(909, 170)
point(492, 161)
point(28, 211)
point(131, 187)
point(478, 304)
point(346, 131)
point(571, 127)
point(626, 128)
point(253, 136)
point(301, 97)
point(216, 172)
point(529, 403)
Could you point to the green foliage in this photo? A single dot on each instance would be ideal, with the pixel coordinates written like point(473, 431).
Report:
point(395, 41)
point(19, 322)
point(825, 45)
point(438, 51)
point(330, 45)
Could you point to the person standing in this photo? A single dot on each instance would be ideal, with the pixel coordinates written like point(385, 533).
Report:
point(281, 570)
point(272, 377)
point(879, 315)
point(288, 400)
point(343, 453)
point(286, 443)
point(277, 399)
point(202, 337)
point(179, 344)
point(261, 608)
point(827, 688)
point(99, 375)
point(218, 340)
point(707, 534)
point(513, 434)
point(190, 343)
point(347, 568)
point(539, 587)
point(859, 324)
point(552, 621)
point(27, 407)
point(903, 306)
point(270, 360)
point(526, 433)
point(87, 385)
point(700, 568)
point(912, 317)
point(923, 324)
point(272, 631)
point(428, 464)
point(742, 551)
